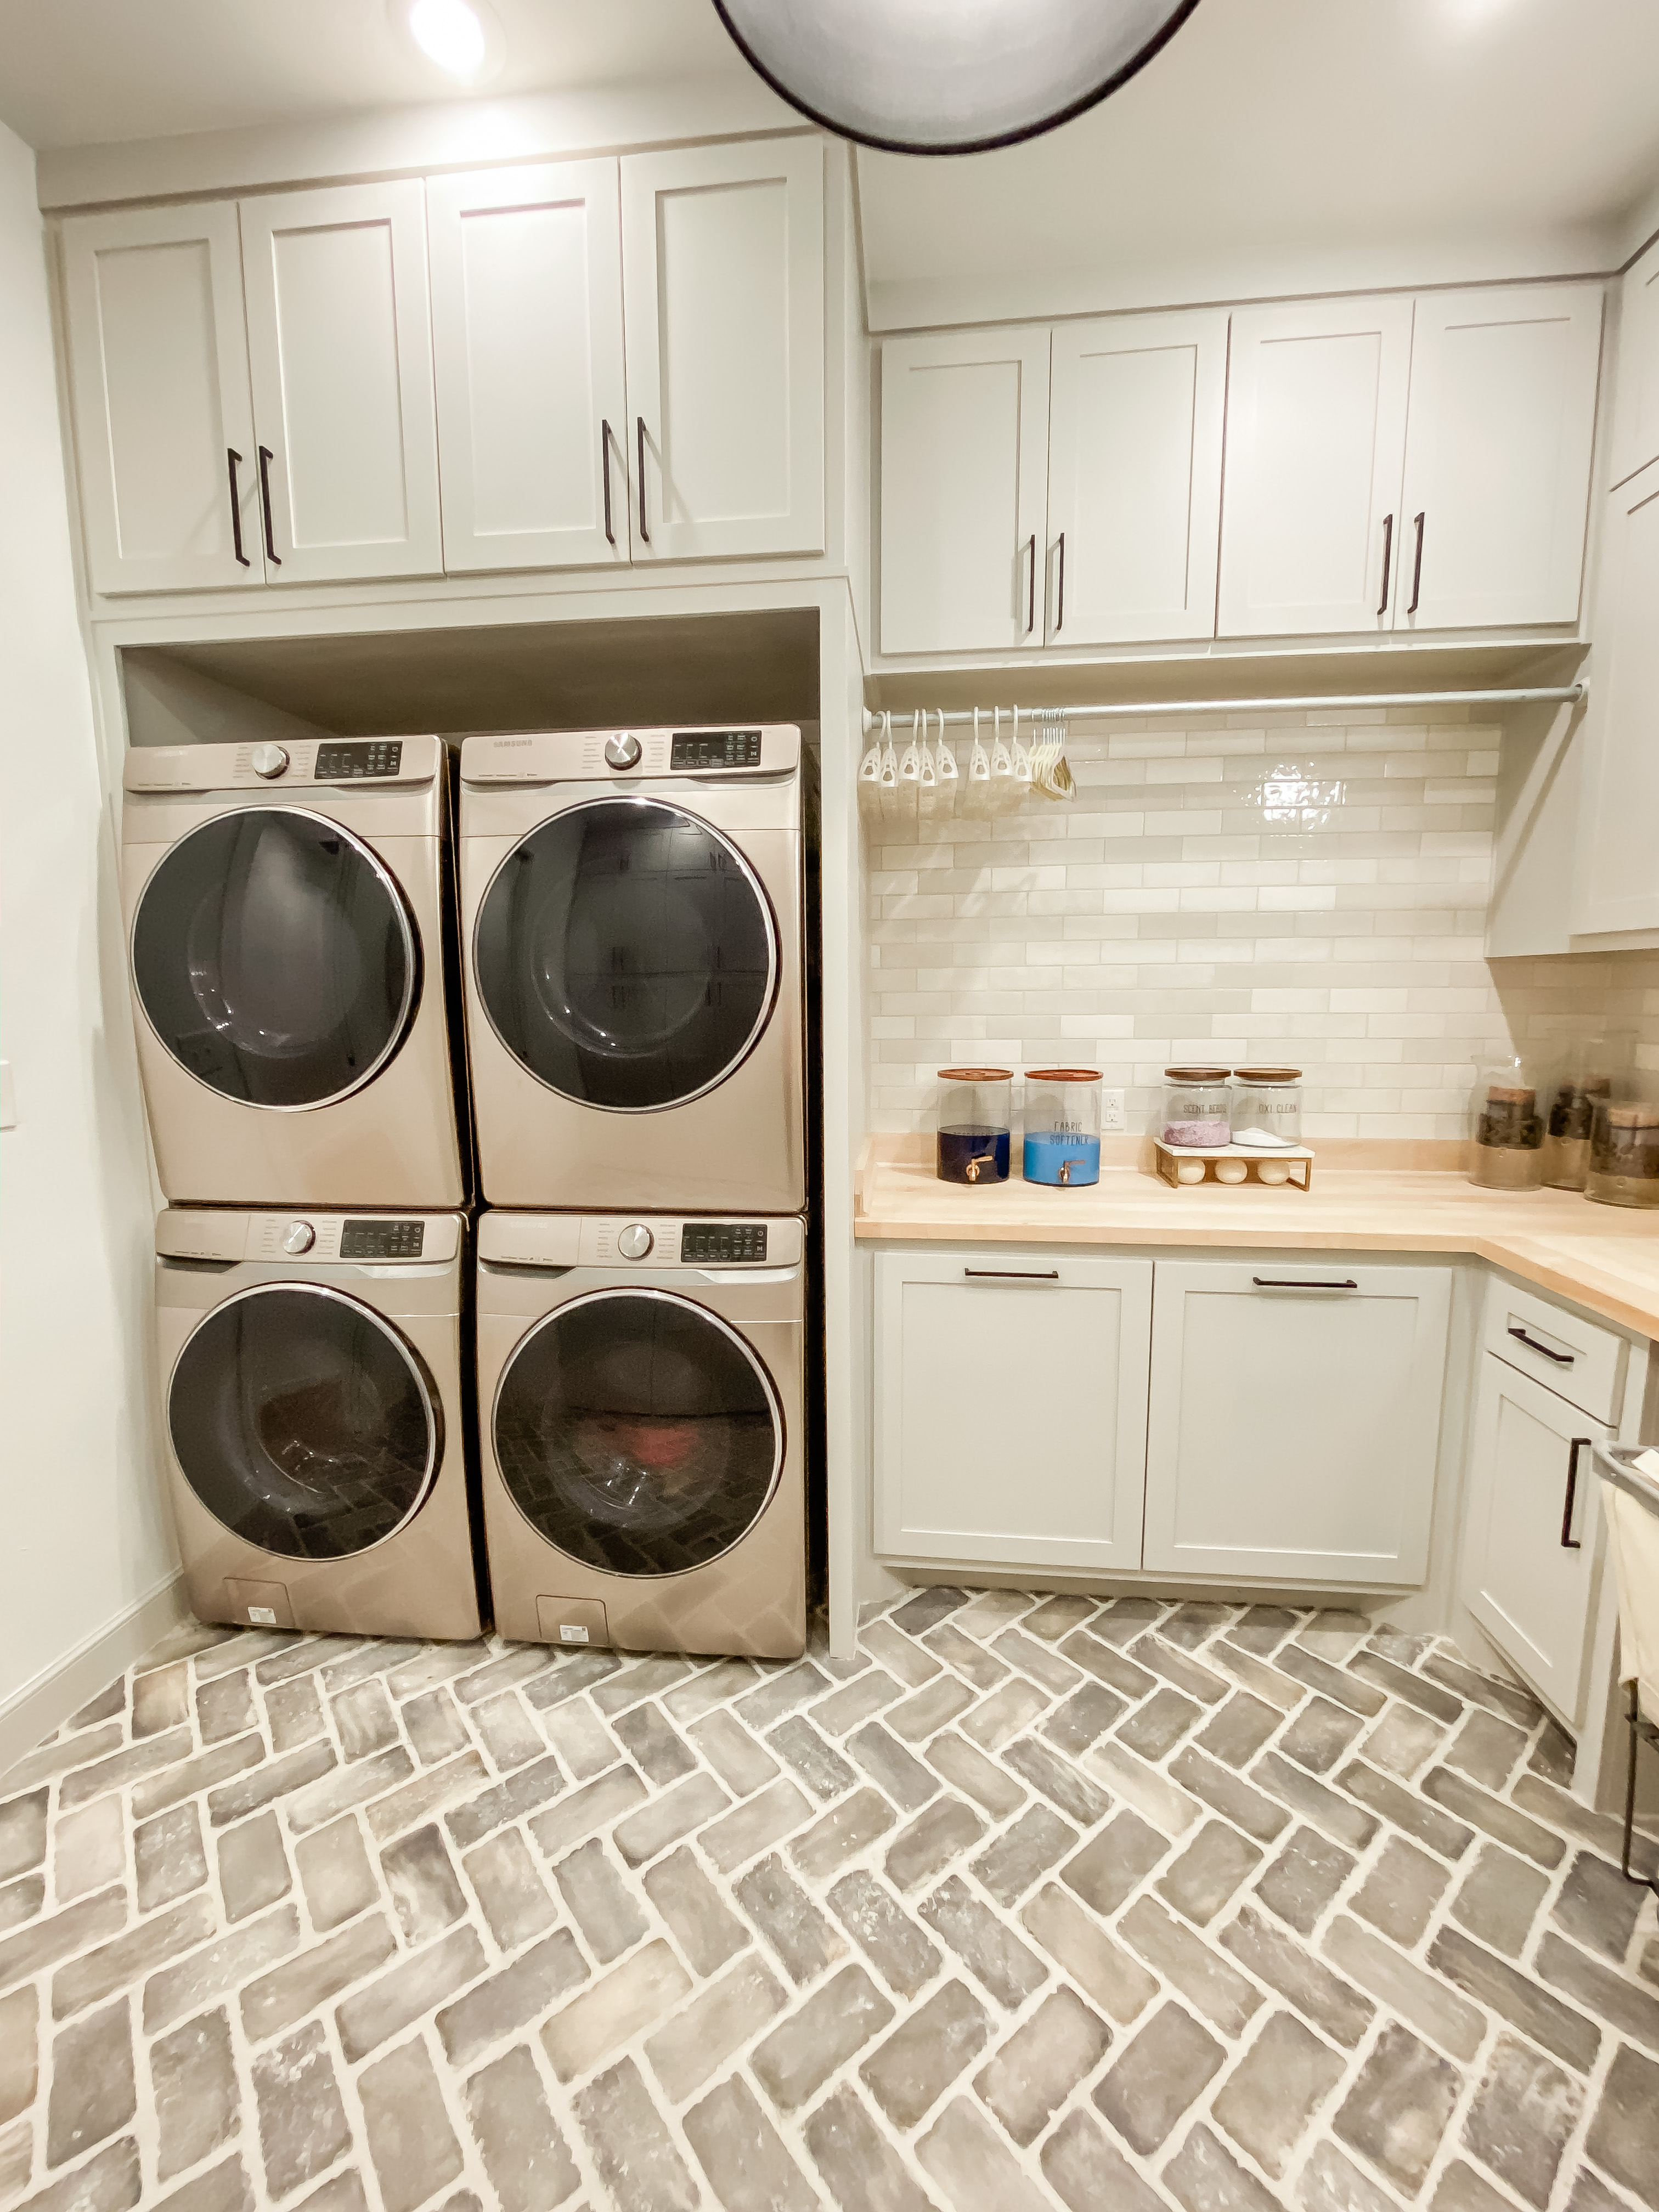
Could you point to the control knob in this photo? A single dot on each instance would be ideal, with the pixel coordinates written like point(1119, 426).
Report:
point(268, 761)
point(623, 752)
point(299, 1236)
point(635, 1241)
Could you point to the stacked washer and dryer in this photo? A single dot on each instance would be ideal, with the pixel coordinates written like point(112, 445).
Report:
point(630, 935)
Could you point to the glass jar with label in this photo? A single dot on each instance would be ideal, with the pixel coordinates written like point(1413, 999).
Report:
point(975, 1118)
point(1063, 1127)
point(1624, 1152)
point(1506, 1130)
point(1579, 1083)
point(1197, 1108)
point(1266, 1108)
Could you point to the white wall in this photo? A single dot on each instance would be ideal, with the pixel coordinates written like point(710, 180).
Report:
point(85, 1538)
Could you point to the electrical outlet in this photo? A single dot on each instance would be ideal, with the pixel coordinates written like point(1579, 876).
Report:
point(1112, 1115)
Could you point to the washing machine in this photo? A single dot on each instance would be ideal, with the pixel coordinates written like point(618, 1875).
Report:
point(311, 1369)
point(631, 914)
point(643, 1446)
point(287, 908)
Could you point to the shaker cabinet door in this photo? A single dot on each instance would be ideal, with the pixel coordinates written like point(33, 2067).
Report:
point(527, 344)
point(1011, 1408)
point(1136, 405)
point(159, 384)
point(723, 286)
point(1498, 456)
point(1311, 537)
point(965, 445)
point(1532, 1547)
point(1295, 1419)
point(1616, 879)
point(340, 342)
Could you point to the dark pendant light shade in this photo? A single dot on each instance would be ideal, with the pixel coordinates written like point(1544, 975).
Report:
point(948, 76)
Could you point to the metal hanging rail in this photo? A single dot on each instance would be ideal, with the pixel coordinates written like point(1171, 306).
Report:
point(1558, 695)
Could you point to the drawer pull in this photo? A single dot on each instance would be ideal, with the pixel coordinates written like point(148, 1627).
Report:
point(1561, 1359)
point(1012, 1274)
point(1569, 1541)
point(1283, 1282)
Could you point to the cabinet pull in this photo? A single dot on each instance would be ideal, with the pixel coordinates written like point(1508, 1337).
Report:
point(1060, 606)
point(266, 457)
point(1416, 566)
point(1569, 1541)
point(1388, 551)
point(1031, 585)
point(1286, 1283)
point(604, 473)
point(644, 533)
point(232, 456)
point(1561, 1359)
point(1012, 1274)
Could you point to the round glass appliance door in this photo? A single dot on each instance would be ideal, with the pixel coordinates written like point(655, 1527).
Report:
point(304, 1422)
point(274, 958)
point(626, 954)
point(637, 1433)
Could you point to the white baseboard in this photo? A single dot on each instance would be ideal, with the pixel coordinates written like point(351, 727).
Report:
point(31, 1714)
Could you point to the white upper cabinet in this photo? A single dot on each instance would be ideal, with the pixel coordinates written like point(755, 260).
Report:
point(1617, 875)
point(1636, 396)
point(527, 344)
point(1135, 413)
point(1295, 1419)
point(340, 344)
point(1011, 1407)
point(964, 441)
point(1310, 538)
point(723, 250)
point(158, 375)
point(1498, 440)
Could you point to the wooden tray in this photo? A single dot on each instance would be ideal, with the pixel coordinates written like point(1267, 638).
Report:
point(1298, 1158)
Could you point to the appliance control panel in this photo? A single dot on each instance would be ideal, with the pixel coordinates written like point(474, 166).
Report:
point(302, 1237)
point(723, 1243)
point(273, 767)
point(382, 1240)
point(345, 763)
point(651, 1243)
point(768, 748)
point(710, 749)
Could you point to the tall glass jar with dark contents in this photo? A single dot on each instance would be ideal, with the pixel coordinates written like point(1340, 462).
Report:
point(975, 1118)
point(1579, 1083)
point(1623, 1153)
point(1506, 1131)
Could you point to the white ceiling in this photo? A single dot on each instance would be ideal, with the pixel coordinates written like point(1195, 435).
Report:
point(1275, 145)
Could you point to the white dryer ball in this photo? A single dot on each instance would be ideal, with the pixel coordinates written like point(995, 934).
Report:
point(1232, 1170)
point(1189, 1171)
point(1272, 1171)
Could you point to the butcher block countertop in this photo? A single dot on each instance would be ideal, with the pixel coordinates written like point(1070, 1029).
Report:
point(1398, 1196)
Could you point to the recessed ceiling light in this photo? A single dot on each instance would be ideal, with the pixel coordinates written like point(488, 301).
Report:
point(464, 38)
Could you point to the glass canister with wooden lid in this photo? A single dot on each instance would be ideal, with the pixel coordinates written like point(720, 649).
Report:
point(1197, 1108)
point(1266, 1108)
point(1580, 1081)
point(1506, 1130)
point(1623, 1150)
point(1063, 1127)
point(974, 1120)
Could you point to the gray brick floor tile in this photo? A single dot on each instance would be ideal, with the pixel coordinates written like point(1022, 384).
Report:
point(1160, 2073)
point(597, 1805)
point(526, 2158)
point(699, 1798)
point(429, 1793)
point(1597, 1907)
point(198, 2097)
point(1106, 1663)
point(699, 2038)
point(94, 2090)
point(748, 1829)
point(334, 1874)
point(1227, 1794)
point(21, 1900)
point(1334, 1682)
point(980, 1666)
point(499, 2006)
point(1237, 1731)
point(1599, 1829)
point(1525, 2003)
point(1624, 2135)
point(1204, 2178)
point(824, 1772)
point(263, 1785)
point(1524, 2112)
point(892, 1768)
point(1268, 2101)
point(509, 1735)
point(968, 1769)
point(1147, 1789)
point(743, 1764)
point(707, 1930)
point(226, 2188)
point(435, 1727)
point(1462, 1798)
point(115, 1966)
point(910, 2070)
point(867, 1694)
point(1301, 1878)
point(1155, 1727)
point(587, 2029)
point(1042, 2063)
point(1161, 1658)
point(1106, 1871)
point(1400, 1682)
point(1023, 1854)
point(930, 1708)
point(1087, 2173)
point(216, 1765)
point(1399, 2108)
point(794, 1928)
point(168, 1860)
point(523, 1793)
point(1404, 1809)
point(302, 2117)
point(973, 2166)
point(289, 1991)
point(294, 1714)
point(410, 2140)
point(1225, 1997)
point(1207, 1873)
point(599, 1902)
point(176, 1991)
point(19, 2033)
point(943, 1832)
point(1498, 1897)
point(420, 1879)
point(1487, 1748)
point(1506, 1698)
point(584, 1744)
point(856, 2163)
point(1403, 1988)
point(1102, 1969)
point(1333, 2006)
point(794, 2061)
point(253, 1867)
point(631, 2147)
point(90, 1849)
point(1401, 1891)
point(110, 2182)
point(1597, 1989)
point(1403, 1741)
point(1058, 1780)
point(44, 1941)
point(1014, 1706)
point(1331, 2182)
point(22, 1831)
point(895, 1945)
point(849, 1828)
point(406, 1992)
point(739, 2149)
point(569, 1673)
point(1462, 2188)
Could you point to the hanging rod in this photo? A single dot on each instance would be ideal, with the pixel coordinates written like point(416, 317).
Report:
point(1559, 695)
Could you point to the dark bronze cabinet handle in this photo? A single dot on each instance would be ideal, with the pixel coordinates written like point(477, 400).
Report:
point(1012, 1274)
point(1030, 586)
point(1388, 551)
point(1569, 1541)
point(1561, 1359)
point(266, 457)
point(1416, 566)
point(232, 456)
point(1060, 599)
point(1285, 1283)
point(644, 533)
point(605, 473)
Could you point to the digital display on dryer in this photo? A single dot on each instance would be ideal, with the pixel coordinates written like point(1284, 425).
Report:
point(722, 1243)
point(715, 749)
point(382, 1240)
point(343, 764)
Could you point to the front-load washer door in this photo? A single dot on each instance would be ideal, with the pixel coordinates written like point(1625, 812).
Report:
point(304, 1422)
point(638, 1433)
point(627, 955)
point(274, 957)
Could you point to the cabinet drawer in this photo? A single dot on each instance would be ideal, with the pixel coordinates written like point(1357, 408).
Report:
point(1578, 1360)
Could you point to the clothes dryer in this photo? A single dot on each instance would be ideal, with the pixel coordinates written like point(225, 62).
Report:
point(311, 1369)
point(287, 907)
point(631, 914)
point(642, 1444)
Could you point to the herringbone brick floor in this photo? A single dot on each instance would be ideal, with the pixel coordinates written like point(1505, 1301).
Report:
point(1038, 1902)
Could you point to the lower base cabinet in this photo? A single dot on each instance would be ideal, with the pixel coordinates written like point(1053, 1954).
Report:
point(1011, 1408)
point(1532, 1544)
point(1276, 1425)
